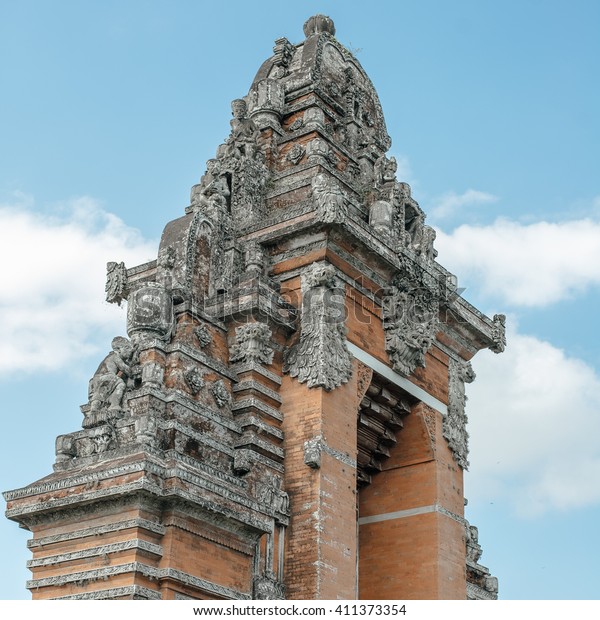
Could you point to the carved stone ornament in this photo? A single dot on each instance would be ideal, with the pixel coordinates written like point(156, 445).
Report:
point(499, 333)
point(321, 357)
point(150, 312)
point(474, 551)
point(116, 282)
point(330, 201)
point(455, 422)
point(272, 496)
point(242, 461)
point(194, 380)
point(312, 452)
point(252, 343)
point(221, 394)
point(268, 588)
point(203, 335)
point(297, 124)
point(411, 324)
point(296, 154)
point(108, 385)
point(283, 53)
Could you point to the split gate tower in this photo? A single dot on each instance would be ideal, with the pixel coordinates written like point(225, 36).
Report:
point(286, 416)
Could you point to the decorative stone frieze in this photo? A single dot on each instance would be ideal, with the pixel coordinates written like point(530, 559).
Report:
point(321, 357)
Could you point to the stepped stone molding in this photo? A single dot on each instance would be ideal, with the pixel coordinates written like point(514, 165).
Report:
point(142, 569)
point(150, 526)
point(134, 592)
point(103, 550)
point(321, 357)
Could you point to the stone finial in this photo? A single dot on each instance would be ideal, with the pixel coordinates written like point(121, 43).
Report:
point(317, 24)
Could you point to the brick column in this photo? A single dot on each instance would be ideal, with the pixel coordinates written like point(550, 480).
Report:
point(320, 429)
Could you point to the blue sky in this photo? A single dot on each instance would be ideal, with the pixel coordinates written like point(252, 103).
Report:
point(108, 114)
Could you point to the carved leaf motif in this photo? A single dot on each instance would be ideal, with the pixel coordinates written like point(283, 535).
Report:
point(321, 357)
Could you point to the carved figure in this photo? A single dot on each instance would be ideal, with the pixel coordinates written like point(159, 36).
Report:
point(244, 134)
point(423, 244)
point(108, 385)
point(331, 204)
point(212, 193)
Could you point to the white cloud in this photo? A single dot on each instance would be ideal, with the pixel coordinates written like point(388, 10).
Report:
point(534, 426)
point(450, 202)
point(525, 265)
point(52, 304)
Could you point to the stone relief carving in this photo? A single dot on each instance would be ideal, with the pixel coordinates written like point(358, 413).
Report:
point(499, 333)
point(331, 204)
point(221, 394)
point(252, 343)
point(455, 422)
point(116, 282)
point(212, 194)
point(474, 551)
point(150, 313)
point(268, 588)
point(272, 496)
point(297, 124)
point(312, 452)
point(194, 379)
point(108, 385)
point(365, 375)
point(203, 335)
point(295, 154)
point(321, 357)
point(243, 141)
point(283, 54)
point(411, 323)
point(255, 259)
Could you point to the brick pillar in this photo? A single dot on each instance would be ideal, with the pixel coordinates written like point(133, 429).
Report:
point(320, 427)
point(412, 543)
